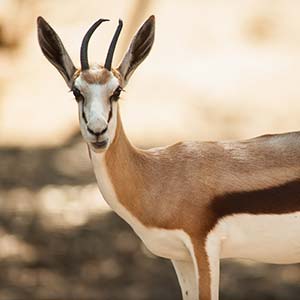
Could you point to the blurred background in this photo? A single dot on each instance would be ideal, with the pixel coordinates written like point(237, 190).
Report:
point(218, 70)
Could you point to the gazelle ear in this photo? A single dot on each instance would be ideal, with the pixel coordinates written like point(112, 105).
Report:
point(54, 50)
point(138, 50)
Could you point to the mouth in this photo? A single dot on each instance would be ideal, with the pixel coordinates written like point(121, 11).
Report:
point(100, 145)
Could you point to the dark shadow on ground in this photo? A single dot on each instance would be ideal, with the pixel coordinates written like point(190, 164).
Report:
point(101, 259)
point(36, 167)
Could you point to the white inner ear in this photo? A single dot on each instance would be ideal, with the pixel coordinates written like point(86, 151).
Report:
point(124, 66)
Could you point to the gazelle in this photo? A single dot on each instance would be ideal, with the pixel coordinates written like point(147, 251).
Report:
point(192, 202)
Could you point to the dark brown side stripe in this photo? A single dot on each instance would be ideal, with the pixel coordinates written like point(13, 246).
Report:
point(281, 199)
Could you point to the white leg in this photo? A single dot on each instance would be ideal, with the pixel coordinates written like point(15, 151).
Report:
point(213, 253)
point(187, 278)
point(214, 265)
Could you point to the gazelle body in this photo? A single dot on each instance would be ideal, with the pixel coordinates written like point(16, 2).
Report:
point(192, 202)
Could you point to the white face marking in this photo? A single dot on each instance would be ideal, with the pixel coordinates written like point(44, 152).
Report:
point(94, 111)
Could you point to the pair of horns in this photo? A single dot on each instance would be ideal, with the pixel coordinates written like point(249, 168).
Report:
point(85, 42)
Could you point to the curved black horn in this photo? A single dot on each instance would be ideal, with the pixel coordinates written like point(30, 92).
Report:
point(85, 42)
point(112, 46)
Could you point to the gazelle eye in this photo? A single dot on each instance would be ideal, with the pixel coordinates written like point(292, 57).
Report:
point(78, 96)
point(116, 95)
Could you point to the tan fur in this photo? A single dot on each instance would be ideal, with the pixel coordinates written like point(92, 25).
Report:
point(189, 186)
point(98, 76)
point(101, 76)
point(117, 74)
point(152, 199)
point(173, 187)
point(76, 74)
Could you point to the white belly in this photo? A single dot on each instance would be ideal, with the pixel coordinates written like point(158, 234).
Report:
point(265, 238)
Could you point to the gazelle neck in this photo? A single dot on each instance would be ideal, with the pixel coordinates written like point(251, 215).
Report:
point(118, 161)
point(121, 148)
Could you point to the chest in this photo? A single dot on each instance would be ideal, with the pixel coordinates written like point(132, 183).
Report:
point(267, 238)
point(161, 242)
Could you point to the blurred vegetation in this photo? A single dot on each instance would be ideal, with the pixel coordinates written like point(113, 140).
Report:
point(58, 238)
point(58, 242)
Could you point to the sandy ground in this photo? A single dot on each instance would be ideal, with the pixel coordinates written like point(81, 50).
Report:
point(218, 70)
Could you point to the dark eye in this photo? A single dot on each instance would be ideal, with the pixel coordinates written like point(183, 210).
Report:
point(78, 96)
point(116, 95)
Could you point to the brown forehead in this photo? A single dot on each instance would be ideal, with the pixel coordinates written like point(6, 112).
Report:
point(99, 77)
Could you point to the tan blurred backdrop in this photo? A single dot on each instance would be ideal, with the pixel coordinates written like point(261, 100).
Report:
point(223, 69)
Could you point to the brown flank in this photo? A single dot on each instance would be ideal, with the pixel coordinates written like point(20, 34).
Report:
point(281, 199)
point(190, 186)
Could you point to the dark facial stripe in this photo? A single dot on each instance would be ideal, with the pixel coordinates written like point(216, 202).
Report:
point(281, 199)
point(110, 112)
point(83, 114)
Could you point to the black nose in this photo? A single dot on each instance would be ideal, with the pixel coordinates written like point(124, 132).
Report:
point(97, 133)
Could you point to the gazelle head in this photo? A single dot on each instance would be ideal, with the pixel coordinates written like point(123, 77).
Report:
point(96, 88)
